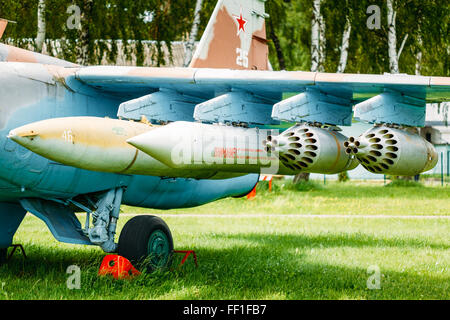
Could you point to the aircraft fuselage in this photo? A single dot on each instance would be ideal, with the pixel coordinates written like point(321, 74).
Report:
point(33, 92)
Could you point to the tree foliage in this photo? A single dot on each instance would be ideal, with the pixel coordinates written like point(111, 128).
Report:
point(157, 20)
point(289, 30)
point(425, 19)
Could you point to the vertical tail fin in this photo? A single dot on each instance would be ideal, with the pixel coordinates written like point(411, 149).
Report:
point(235, 37)
point(3, 24)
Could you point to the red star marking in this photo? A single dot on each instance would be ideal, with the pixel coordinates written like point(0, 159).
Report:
point(241, 23)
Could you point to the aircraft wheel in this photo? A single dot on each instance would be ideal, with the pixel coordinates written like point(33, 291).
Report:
point(3, 253)
point(147, 242)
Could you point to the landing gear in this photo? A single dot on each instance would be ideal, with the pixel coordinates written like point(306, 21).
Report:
point(11, 215)
point(147, 242)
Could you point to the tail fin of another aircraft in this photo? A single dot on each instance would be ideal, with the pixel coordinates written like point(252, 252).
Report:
point(235, 37)
point(3, 24)
point(13, 54)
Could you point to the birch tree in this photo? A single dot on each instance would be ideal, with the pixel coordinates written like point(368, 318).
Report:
point(394, 56)
point(41, 26)
point(418, 68)
point(275, 26)
point(277, 45)
point(322, 42)
point(344, 46)
point(392, 37)
point(316, 56)
point(193, 33)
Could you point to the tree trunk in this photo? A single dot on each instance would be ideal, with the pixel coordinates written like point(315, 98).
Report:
point(315, 37)
point(276, 43)
point(419, 56)
point(418, 63)
point(41, 26)
point(322, 43)
point(193, 34)
point(392, 37)
point(344, 46)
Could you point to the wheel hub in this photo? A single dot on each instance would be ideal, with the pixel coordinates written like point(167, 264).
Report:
point(158, 248)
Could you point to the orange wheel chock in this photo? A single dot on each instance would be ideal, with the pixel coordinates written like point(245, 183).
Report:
point(252, 193)
point(187, 254)
point(117, 266)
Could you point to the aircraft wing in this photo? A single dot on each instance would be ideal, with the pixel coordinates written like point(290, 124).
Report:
point(358, 87)
point(283, 95)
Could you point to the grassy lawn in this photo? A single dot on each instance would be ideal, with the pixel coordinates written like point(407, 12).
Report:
point(245, 254)
point(353, 198)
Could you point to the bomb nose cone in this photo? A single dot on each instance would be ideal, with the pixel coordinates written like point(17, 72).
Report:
point(18, 133)
point(12, 135)
point(161, 142)
point(153, 143)
point(23, 135)
point(136, 142)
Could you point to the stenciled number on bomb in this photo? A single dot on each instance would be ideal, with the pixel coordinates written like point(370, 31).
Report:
point(68, 136)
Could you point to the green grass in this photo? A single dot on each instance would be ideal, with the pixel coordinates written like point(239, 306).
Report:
point(244, 254)
point(351, 198)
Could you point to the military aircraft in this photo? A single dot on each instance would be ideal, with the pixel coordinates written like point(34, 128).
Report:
point(90, 138)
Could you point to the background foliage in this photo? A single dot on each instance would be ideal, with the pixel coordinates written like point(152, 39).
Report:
point(425, 21)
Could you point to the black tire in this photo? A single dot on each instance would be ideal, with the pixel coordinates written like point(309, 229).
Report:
point(3, 253)
point(147, 242)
